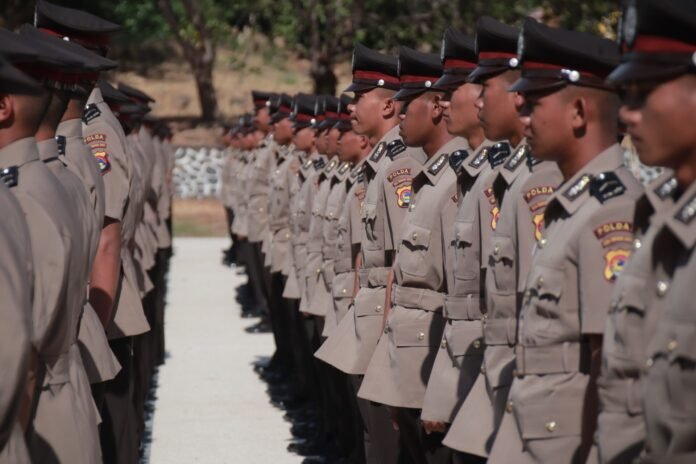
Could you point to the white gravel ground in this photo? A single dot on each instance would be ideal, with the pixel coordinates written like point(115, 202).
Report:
point(211, 407)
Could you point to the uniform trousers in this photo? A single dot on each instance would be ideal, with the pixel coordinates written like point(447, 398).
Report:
point(421, 447)
point(381, 441)
point(255, 271)
point(280, 318)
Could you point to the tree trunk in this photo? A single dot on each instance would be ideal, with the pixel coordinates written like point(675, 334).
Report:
point(325, 80)
point(206, 91)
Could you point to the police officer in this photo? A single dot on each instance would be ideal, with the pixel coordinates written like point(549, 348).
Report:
point(400, 366)
point(657, 83)
point(588, 223)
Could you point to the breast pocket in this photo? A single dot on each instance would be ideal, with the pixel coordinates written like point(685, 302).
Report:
point(627, 316)
point(413, 254)
point(466, 250)
point(544, 291)
point(502, 262)
point(369, 219)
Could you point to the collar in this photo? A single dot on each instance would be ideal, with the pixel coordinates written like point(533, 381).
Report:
point(95, 97)
point(70, 128)
point(575, 191)
point(48, 149)
point(379, 151)
point(514, 165)
point(681, 221)
point(477, 159)
point(658, 195)
point(19, 152)
point(437, 164)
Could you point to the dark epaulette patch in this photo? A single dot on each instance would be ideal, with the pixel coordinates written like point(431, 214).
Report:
point(605, 186)
point(395, 147)
point(498, 153)
point(10, 176)
point(440, 163)
point(687, 213)
point(578, 188)
point(480, 158)
point(666, 189)
point(457, 158)
point(344, 167)
point(91, 112)
point(319, 163)
point(516, 159)
point(60, 140)
point(379, 152)
point(531, 160)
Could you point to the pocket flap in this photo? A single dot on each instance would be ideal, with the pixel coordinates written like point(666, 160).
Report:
point(464, 232)
point(546, 281)
point(502, 249)
point(632, 293)
point(415, 333)
point(342, 286)
point(370, 302)
point(465, 339)
point(417, 236)
point(556, 415)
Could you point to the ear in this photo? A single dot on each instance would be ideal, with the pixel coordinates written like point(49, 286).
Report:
point(436, 105)
point(364, 142)
point(389, 108)
point(6, 110)
point(579, 113)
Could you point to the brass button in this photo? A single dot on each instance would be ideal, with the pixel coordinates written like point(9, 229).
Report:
point(378, 308)
point(550, 426)
point(421, 335)
point(344, 291)
point(662, 288)
point(637, 243)
point(508, 407)
point(477, 344)
point(443, 343)
point(542, 242)
point(672, 345)
point(415, 236)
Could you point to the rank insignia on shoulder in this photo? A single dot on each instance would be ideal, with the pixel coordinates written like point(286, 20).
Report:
point(666, 189)
point(498, 153)
point(10, 176)
point(578, 188)
point(440, 163)
point(516, 159)
point(356, 171)
point(687, 213)
point(479, 159)
point(307, 164)
point(319, 163)
point(103, 162)
point(60, 140)
point(344, 167)
point(615, 260)
point(457, 158)
point(532, 161)
point(91, 112)
point(379, 152)
point(330, 167)
point(395, 147)
point(605, 186)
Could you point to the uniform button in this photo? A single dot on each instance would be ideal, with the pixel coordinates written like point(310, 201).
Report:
point(542, 242)
point(637, 243)
point(550, 426)
point(260, 210)
point(318, 270)
point(649, 363)
point(496, 250)
point(378, 308)
point(344, 291)
point(662, 288)
point(508, 407)
point(483, 369)
point(443, 343)
point(287, 235)
point(672, 345)
point(415, 236)
point(421, 335)
point(477, 344)
point(330, 214)
point(456, 235)
point(277, 171)
point(540, 280)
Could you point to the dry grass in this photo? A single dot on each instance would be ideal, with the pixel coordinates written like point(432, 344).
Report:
point(199, 218)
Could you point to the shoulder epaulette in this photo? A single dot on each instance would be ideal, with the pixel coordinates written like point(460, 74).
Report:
point(516, 159)
point(395, 147)
point(440, 163)
point(91, 112)
point(498, 153)
point(457, 158)
point(666, 188)
point(480, 158)
point(578, 188)
point(60, 140)
point(344, 167)
point(606, 185)
point(379, 152)
point(687, 213)
point(319, 163)
point(10, 176)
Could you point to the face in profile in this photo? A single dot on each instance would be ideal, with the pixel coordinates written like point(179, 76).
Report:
point(304, 139)
point(497, 112)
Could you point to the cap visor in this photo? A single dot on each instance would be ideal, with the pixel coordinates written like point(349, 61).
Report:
point(527, 85)
point(343, 126)
point(300, 125)
point(408, 94)
point(359, 88)
point(482, 73)
point(277, 117)
point(13, 81)
point(636, 71)
point(448, 81)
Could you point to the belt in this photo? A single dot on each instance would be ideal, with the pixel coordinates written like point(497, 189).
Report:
point(343, 265)
point(621, 395)
point(57, 368)
point(329, 252)
point(551, 359)
point(500, 331)
point(374, 277)
point(463, 307)
point(417, 298)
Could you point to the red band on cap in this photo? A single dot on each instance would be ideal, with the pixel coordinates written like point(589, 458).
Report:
point(417, 79)
point(285, 109)
point(654, 44)
point(495, 55)
point(456, 64)
point(99, 40)
point(535, 65)
point(331, 114)
point(303, 117)
point(375, 76)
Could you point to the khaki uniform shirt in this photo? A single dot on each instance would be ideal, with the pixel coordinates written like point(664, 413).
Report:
point(587, 240)
point(54, 233)
point(384, 199)
point(278, 236)
point(620, 432)
point(259, 189)
point(298, 249)
point(104, 136)
point(668, 379)
point(400, 366)
point(16, 278)
point(97, 357)
point(239, 224)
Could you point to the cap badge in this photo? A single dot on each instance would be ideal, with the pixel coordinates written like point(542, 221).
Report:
point(514, 62)
point(380, 82)
point(630, 24)
point(571, 75)
point(428, 84)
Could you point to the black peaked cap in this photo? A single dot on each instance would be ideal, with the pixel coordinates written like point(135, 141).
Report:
point(13, 81)
point(659, 40)
point(281, 107)
point(458, 56)
point(330, 115)
point(496, 48)
point(418, 72)
point(34, 53)
point(110, 93)
point(343, 122)
point(553, 58)
point(303, 111)
point(64, 19)
point(261, 99)
point(137, 94)
point(372, 69)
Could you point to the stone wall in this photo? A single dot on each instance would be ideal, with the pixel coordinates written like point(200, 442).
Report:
point(197, 172)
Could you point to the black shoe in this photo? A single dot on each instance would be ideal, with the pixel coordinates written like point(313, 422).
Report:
point(304, 429)
point(261, 327)
point(252, 313)
point(306, 448)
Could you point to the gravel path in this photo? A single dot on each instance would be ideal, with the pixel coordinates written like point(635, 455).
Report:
point(211, 407)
